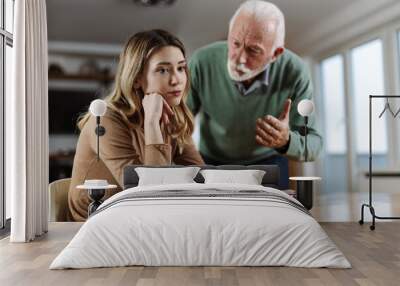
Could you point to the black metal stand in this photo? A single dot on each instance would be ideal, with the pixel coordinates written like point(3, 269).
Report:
point(305, 139)
point(305, 193)
point(100, 131)
point(96, 195)
point(370, 205)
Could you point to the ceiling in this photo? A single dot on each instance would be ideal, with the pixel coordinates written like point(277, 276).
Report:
point(196, 22)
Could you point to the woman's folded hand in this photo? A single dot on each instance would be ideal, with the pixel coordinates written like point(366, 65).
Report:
point(156, 108)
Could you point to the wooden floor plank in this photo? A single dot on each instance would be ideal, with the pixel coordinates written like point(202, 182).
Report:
point(374, 255)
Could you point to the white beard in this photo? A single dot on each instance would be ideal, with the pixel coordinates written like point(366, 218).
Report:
point(247, 73)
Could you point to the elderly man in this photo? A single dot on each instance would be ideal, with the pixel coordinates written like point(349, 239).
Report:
point(247, 90)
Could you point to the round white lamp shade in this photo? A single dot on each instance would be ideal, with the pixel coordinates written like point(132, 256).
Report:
point(98, 107)
point(305, 107)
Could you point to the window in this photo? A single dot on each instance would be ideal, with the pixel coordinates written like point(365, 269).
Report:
point(367, 78)
point(6, 44)
point(334, 108)
point(333, 92)
point(346, 83)
point(9, 16)
point(398, 51)
point(8, 71)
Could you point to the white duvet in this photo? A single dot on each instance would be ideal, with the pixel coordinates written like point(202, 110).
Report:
point(183, 231)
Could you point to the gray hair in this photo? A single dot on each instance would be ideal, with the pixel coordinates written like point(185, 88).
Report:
point(264, 11)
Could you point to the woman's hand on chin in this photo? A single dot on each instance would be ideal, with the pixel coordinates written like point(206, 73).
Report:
point(156, 108)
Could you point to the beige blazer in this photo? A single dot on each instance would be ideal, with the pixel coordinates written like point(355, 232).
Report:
point(121, 145)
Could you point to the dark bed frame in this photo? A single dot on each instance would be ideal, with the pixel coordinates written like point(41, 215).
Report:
point(131, 179)
point(270, 179)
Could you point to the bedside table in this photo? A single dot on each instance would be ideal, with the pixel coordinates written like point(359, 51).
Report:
point(305, 190)
point(96, 193)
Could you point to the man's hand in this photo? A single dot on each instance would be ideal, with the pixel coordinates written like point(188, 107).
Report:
point(274, 132)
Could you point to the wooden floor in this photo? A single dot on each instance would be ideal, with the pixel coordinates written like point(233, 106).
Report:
point(345, 207)
point(374, 255)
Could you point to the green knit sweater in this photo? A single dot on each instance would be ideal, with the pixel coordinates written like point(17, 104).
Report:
point(228, 119)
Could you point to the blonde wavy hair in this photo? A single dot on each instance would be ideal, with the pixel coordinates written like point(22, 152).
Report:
point(127, 101)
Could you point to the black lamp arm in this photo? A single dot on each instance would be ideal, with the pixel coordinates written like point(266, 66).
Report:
point(305, 138)
point(100, 131)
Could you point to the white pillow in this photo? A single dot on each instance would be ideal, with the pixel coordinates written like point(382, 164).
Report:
point(248, 177)
point(163, 176)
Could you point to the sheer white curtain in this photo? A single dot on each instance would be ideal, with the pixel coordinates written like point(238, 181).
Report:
point(27, 123)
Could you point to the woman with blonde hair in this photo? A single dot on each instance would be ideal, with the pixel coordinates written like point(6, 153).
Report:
point(147, 121)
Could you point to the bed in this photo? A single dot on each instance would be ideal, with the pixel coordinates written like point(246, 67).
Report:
point(201, 224)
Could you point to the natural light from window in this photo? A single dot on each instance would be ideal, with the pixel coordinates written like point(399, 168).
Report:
point(8, 91)
point(9, 10)
point(334, 107)
point(367, 78)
